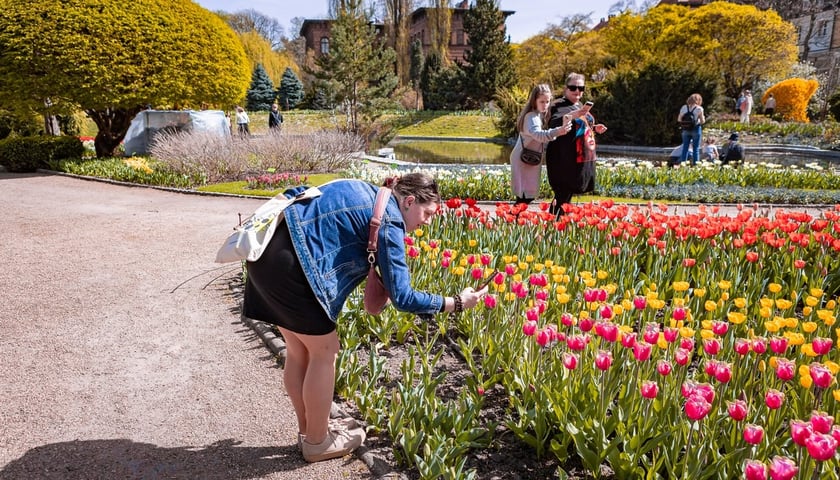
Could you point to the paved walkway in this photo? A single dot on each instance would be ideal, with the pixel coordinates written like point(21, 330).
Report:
point(117, 362)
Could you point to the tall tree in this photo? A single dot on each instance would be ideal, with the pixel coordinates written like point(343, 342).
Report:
point(439, 17)
point(416, 70)
point(250, 20)
point(259, 51)
point(489, 57)
point(290, 91)
point(261, 94)
point(112, 59)
point(397, 16)
point(360, 65)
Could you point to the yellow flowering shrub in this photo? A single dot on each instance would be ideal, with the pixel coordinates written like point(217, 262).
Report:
point(792, 96)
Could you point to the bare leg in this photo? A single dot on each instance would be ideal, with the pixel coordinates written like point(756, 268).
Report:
point(310, 376)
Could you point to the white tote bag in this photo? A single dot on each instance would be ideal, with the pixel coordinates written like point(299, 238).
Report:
point(248, 240)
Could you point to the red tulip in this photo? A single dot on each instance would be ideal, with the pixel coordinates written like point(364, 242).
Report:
point(607, 330)
point(649, 389)
point(590, 295)
point(606, 312)
point(490, 301)
point(603, 360)
point(408, 241)
point(774, 399)
point(696, 408)
point(543, 337)
point(532, 314)
point(785, 369)
point(413, 252)
point(723, 373)
point(800, 431)
point(510, 269)
point(778, 344)
point(822, 422)
point(821, 447)
point(586, 324)
point(798, 263)
point(687, 343)
point(567, 320)
point(689, 262)
point(570, 360)
point(679, 314)
point(711, 346)
point(602, 295)
point(642, 351)
point(639, 303)
point(720, 328)
point(710, 367)
point(737, 410)
point(783, 468)
point(682, 356)
point(753, 434)
point(541, 295)
point(755, 470)
point(821, 375)
point(529, 327)
point(651, 334)
point(628, 340)
point(751, 256)
point(671, 334)
point(499, 278)
point(663, 367)
point(485, 259)
point(444, 263)
point(742, 346)
point(759, 345)
point(822, 345)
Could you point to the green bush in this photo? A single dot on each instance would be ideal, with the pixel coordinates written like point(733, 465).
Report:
point(834, 106)
point(27, 154)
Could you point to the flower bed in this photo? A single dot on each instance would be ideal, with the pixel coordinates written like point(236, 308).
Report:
point(628, 342)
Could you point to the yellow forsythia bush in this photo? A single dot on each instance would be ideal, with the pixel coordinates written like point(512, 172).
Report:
point(792, 96)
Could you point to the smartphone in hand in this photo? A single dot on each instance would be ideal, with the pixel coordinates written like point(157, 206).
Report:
point(587, 106)
point(489, 279)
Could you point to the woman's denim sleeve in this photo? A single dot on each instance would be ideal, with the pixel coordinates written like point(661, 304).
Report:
point(396, 275)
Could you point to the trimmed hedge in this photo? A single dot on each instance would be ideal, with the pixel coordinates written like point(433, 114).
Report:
point(27, 154)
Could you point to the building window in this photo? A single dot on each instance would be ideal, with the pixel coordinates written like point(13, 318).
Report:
point(459, 37)
point(822, 28)
point(325, 45)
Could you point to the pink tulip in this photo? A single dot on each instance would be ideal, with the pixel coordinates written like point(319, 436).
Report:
point(800, 431)
point(671, 334)
point(821, 447)
point(628, 340)
point(774, 399)
point(742, 346)
point(753, 434)
point(705, 391)
point(711, 346)
point(783, 468)
point(532, 314)
point(577, 342)
point(607, 330)
point(723, 373)
point(649, 389)
point(822, 345)
point(413, 252)
point(477, 273)
point(835, 432)
point(720, 328)
point(679, 314)
point(499, 278)
point(606, 312)
point(570, 360)
point(586, 324)
point(642, 351)
point(602, 295)
point(471, 259)
point(590, 295)
point(485, 259)
point(785, 369)
point(682, 356)
point(687, 343)
point(664, 368)
point(821, 422)
point(490, 301)
point(543, 337)
point(639, 303)
point(778, 345)
point(444, 263)
point(447, 253)
point(696, 408)
point(759, 345)
point(408, 241)
point(737, 410)
point(510, 269)
point(710, 367)
point(541, 295)
point(529, 327)
point(651, 334)
point(538, 279)
point(821, 375)
point(541, 304)
point(603, 360)
point(755, 470)
point(567, 320)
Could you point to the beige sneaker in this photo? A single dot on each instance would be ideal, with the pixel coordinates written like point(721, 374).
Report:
point(338, 424)
point(337, 444)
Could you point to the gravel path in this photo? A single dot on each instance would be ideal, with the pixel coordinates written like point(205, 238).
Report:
point(110, 371)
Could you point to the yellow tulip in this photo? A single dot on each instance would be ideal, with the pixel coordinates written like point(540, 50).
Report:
point(500, 287)
point(563, 298)
point(602, 275)
point(549, 263)
point(816, 292)
point(686, 332)
point(794, 338)
point(806, 310)
point(611, 288)
point(626, 304)
point(833, 366)
point(658, 304)
point(804, 370)
point(783, 304)
point(791, 322)
point(724, 284)
point(418, 232)
point(522, 266)
point(529, 258)
point(584, 314)
point(652, 287)
point(827, 317)
point(560, 289)
point(539, 267)
point(806, 381)
point(459, 270)
point(812, 301)
point(510, 296)
point(736, 317)
point(706, 334)
point(809, 327)
point(710, 306)
point(836, 394)
point(680, 286)
point(590, 282)
point(762, 366)
point(472, 243)
point(771, 326)
point(794, 296)
point(724, 296)
point(706, 324)
point(774, 288)
point(678, 302)
point(740, 302)
point(652, 296)
point(765, 302)
point(507, 258)
point(774, 360)
point(808, 350)
point(699, 292)
point(661, 342)
point(585, 274)
point(618, 309)
point(764, 312)
point(831, 304)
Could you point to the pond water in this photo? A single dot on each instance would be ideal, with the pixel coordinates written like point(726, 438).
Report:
point(459, 152)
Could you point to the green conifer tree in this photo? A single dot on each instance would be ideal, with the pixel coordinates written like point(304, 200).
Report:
point(290, 91)
point(261, 94)
point(489, 60)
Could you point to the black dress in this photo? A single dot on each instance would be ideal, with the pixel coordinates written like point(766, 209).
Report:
point(566, 175)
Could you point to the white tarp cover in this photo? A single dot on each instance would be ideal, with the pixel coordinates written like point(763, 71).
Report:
point(148, 123)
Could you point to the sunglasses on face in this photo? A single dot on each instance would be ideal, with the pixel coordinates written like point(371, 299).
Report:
point(575, 88)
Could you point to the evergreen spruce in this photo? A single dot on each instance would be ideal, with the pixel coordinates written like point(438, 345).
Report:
point(290, 91)
point(261, 94)
point(489, 59)
point(415, 71)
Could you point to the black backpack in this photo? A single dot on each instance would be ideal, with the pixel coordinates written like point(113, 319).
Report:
point(688, 120)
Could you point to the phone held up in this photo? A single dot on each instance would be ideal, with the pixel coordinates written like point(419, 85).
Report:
point(489, 279)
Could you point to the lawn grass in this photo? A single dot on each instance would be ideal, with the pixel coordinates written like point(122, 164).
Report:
point(241, 187)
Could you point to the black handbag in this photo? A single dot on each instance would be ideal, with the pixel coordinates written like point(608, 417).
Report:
point(531, 157)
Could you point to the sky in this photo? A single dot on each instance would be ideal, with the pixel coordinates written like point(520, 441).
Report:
point(531, 17)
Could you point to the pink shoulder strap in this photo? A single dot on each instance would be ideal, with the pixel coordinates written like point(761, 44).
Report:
point(382, 197)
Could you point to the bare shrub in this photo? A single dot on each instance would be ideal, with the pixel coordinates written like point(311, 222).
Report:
point(218, 158)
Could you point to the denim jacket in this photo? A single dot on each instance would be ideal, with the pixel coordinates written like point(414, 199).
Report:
point(330, 235)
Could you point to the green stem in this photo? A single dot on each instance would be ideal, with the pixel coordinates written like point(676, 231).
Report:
point(687, 452)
